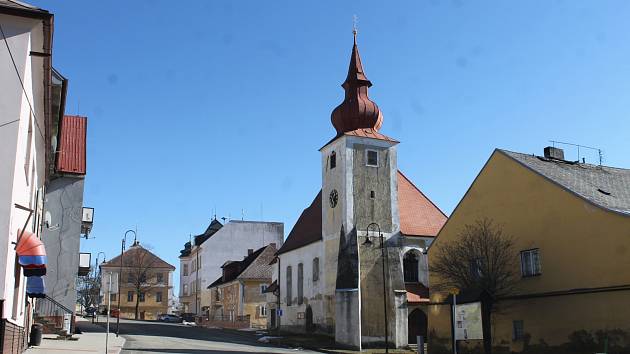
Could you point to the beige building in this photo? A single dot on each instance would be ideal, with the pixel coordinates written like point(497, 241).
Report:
point(570, 222)
point(238, 297)
point(145, 285)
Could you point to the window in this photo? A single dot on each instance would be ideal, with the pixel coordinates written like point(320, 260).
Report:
point(372, 158)
point(143, 278)
point(410, 267)
point(194, 265)
point(476, 269)
point(530, 262)
point(129, 296)
point(518, 330)
point(158, 296)
point(315, 269)
point(300, 289)
point(141, 297)
point(333, 160)
point(262, 311)
point(289, 286)
point(159, 278)
point(185, 289)
point(185, 270)
point(130, 278)
point(263, 287)
point(112, 297)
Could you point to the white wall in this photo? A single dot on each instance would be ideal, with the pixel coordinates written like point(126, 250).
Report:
point(17, 184)
point(231, 243)
point(313, 291)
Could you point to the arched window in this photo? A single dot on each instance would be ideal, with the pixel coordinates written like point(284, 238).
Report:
point(333, 160)
point(315, 269)
point(410, 266)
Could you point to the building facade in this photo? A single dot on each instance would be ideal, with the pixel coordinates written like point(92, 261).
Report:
point(144, 290)
point(201, 259)
point(63, 213)
point(333, 267)
point(238, 295)
point(570, 223)
point(31, 107)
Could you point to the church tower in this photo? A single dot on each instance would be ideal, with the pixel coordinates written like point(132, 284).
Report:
point(359, 203)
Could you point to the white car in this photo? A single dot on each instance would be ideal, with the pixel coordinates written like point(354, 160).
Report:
point(169, 318)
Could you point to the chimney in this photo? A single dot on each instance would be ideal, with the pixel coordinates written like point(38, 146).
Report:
point(554, 153)
point(250, 251)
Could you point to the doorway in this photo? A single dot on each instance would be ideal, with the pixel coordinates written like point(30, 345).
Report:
point(417, 325)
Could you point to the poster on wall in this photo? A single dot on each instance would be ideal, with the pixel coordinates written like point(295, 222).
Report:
point(468, 321)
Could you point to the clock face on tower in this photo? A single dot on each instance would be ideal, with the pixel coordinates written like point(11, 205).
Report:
point(333, 198)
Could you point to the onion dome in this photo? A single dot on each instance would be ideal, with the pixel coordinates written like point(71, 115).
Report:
point(356, 111)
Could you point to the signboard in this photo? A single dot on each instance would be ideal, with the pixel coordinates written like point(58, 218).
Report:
point(300, 315)
point(88, 215)
point(279, 312)
point(468, 321)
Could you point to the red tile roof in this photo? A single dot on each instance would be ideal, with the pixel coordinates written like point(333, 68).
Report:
point(417, 293)
point(72, 140)
point(364, 133)
point(418, 217)
point(307, 229)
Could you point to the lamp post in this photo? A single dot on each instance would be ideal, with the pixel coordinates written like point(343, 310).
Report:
point(368, 242)
point(96, 272)
point(122, 251)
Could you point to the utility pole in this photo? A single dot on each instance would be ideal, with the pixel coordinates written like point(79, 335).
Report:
point(109, 301)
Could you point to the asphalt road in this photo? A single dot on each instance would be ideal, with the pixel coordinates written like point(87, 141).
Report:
point(155, 337)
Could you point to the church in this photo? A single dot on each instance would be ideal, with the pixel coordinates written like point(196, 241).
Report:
point(354, 266)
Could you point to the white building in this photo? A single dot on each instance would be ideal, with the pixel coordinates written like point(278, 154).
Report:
point(201, 259)
point(32, 97)
point(330, 269)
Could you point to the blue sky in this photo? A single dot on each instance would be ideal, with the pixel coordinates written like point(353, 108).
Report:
point(200, 105)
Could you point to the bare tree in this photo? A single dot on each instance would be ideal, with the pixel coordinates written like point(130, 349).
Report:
point(88, 290)
point(480, 260)
point(141, 275)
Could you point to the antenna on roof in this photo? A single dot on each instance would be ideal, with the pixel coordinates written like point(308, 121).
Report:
point(600, 154)
point(242, 214)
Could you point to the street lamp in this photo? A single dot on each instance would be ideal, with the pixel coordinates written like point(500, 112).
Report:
point(122, 251)
point(369, 243)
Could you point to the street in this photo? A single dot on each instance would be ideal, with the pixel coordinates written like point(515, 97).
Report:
point(156, 337)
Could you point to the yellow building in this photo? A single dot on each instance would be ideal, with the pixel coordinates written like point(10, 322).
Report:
point(146, 282)
point(571, 227)
point(238, 298)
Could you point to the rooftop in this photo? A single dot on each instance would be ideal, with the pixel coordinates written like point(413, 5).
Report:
point(606, 187)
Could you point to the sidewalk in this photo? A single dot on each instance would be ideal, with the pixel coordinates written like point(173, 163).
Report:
point(323, 344)
point(92, 340)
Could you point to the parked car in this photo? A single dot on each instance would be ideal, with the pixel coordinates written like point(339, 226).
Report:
point(90, 312)
point(169, 318)
point(188, 317)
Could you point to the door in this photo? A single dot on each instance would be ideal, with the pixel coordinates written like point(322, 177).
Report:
point(273, 318)
point(417, 325)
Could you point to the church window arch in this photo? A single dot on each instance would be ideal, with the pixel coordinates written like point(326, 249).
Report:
point(411, 267)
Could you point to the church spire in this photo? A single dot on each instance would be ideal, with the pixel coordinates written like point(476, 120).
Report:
point(356, 111)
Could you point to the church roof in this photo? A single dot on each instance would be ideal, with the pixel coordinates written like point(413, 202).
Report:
point(418, 217)
point(357, 110)
point(307, 229)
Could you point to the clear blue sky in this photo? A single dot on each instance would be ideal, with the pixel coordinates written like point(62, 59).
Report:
point(196, 105)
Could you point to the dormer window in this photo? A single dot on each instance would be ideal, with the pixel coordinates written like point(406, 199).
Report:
point(372, 158)
point(333, 160)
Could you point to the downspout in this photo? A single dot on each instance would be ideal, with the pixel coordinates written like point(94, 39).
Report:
point(47, 26)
